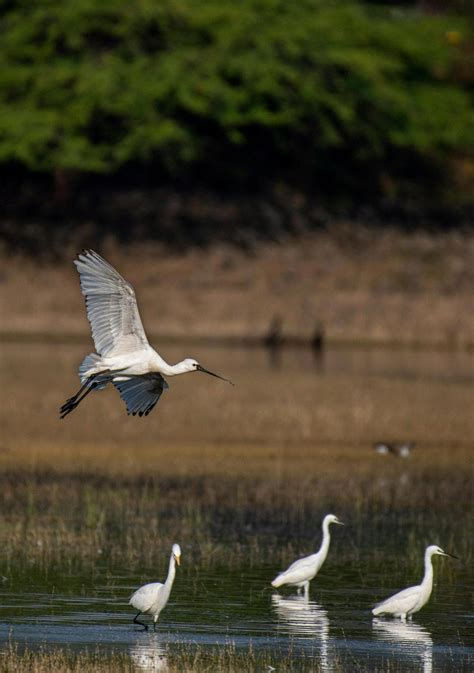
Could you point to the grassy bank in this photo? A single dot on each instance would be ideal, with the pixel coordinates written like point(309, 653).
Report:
point(353, 285)
point(71, 518)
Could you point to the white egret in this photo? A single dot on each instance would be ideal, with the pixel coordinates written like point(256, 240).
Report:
point(124, 357)
point(152, 598)
point(302, 571)
point(399, 449)
point(405, 603)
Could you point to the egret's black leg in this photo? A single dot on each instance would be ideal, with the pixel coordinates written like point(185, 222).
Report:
point(154, 625)
point(137, 621)
point(76, 399)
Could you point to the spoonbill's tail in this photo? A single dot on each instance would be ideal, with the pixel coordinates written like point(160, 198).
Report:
point(88, 366)
point(92, 378)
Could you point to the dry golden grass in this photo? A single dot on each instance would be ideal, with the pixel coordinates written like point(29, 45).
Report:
point(298, 409)
point(361, 285)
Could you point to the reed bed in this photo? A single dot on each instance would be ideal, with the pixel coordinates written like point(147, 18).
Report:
point(226, 659)
point(66, 516)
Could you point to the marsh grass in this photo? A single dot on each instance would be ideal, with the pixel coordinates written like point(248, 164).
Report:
point(62, 660)
point(67, 516)
point(183, 657)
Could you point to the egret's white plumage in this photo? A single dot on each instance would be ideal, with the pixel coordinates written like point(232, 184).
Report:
point(152, 598)
point(302, 571)
point(124, 357)
point(405, 603)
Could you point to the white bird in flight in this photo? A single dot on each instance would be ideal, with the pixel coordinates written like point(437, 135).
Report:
point(404, 603)
point(152, 598)
point(302, 571)
point(124, 357)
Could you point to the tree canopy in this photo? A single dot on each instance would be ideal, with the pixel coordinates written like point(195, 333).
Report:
point(228, 87)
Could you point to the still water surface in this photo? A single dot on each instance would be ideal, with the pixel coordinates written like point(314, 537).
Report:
point(223, 606)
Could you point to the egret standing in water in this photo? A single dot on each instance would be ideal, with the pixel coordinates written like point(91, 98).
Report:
point(124, 357)
point(302, 571)
point(152, 598)
point(405, 603)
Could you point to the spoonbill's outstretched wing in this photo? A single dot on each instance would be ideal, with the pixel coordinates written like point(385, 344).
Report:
point(111, 307)
point(141, 393)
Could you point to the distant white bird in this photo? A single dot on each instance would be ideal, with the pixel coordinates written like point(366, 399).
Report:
point(405, 603)
point(302, 571)
point(124, 357)
point(400, 449)
point(152, 598)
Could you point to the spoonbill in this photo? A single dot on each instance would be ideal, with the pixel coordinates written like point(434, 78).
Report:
point(124, 357)
point(399, 449)
point(302, 571)
point(152, 598)
point(405, 603)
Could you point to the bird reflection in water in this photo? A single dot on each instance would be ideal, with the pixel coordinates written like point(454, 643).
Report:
point(149, 654)
point(412, 638)
point(301, 617)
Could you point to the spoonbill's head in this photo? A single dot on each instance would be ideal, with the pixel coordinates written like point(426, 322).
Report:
point(435, 550)
point(191, 365)
point(177, 553)
point(332, 518)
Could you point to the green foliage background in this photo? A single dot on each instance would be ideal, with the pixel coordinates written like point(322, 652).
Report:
point(234, 90)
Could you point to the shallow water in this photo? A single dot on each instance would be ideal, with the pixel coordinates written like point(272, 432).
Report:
point(214, 605)
point(220, 606)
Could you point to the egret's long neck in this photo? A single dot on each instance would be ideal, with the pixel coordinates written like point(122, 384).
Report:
point(171, 572)
point(427, 582)
point(323, 550)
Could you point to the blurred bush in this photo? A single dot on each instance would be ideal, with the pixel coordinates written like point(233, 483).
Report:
point(306, 91)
